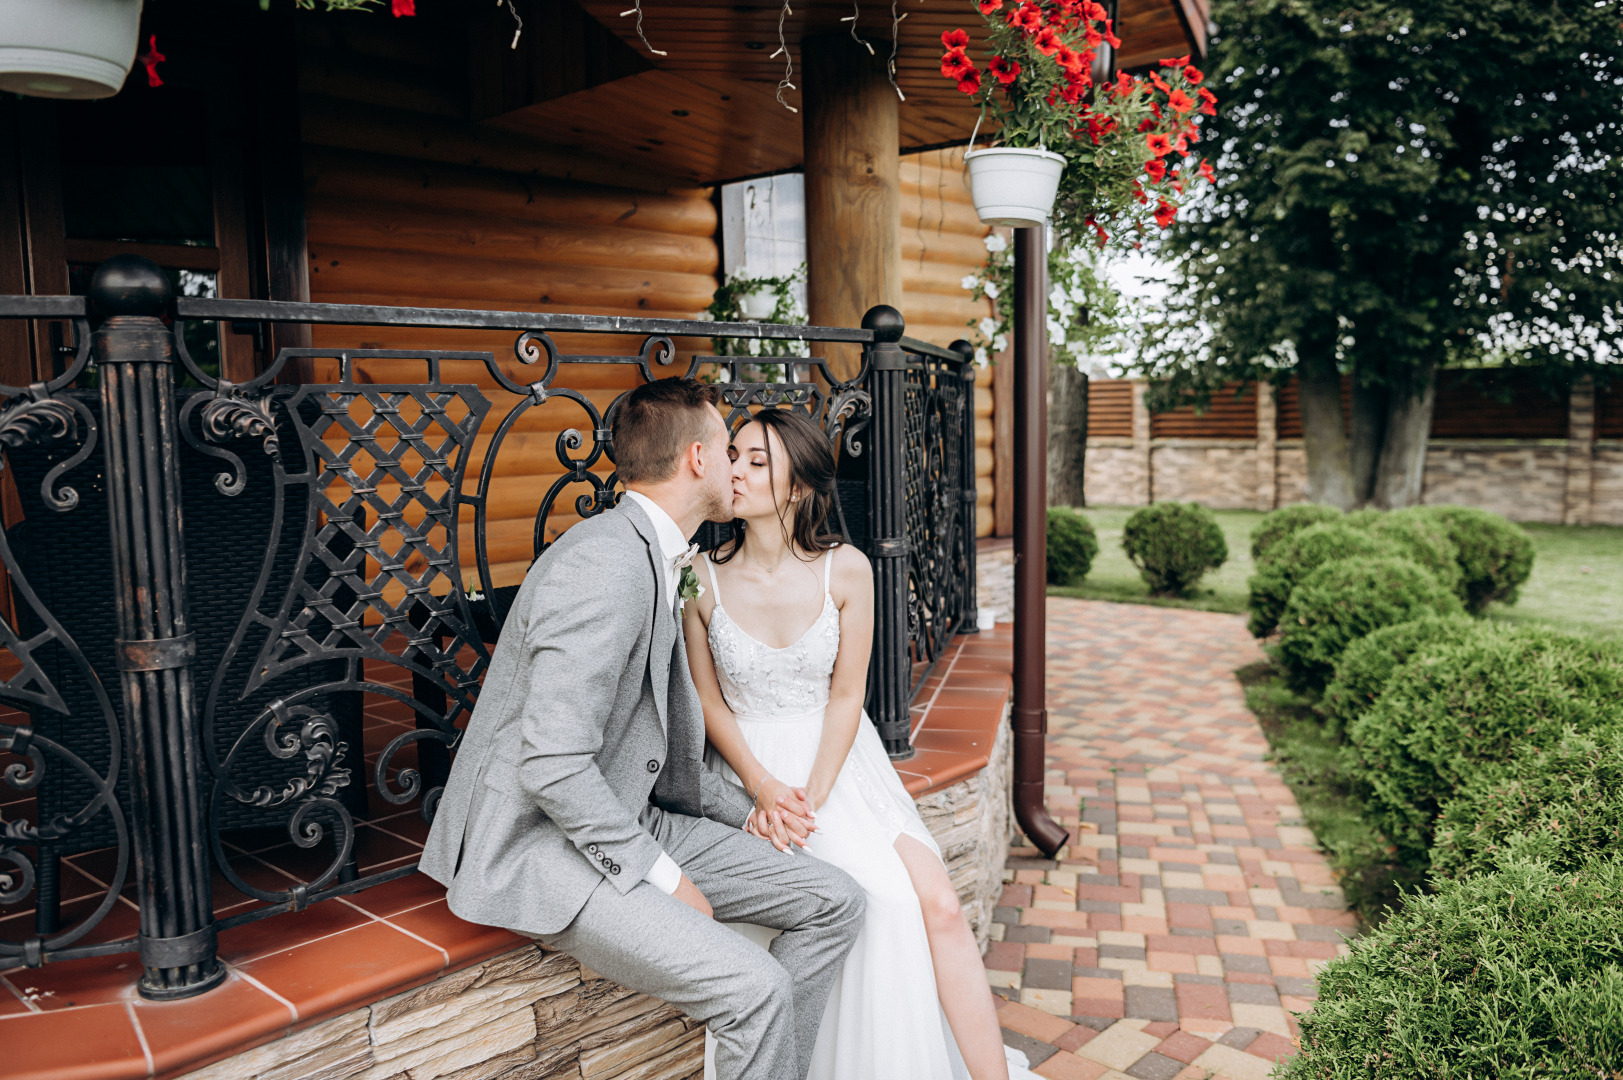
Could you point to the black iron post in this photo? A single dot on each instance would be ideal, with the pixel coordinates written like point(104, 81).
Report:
point(1030, 711)
point(891, 664)
point(968, 496)
point(134, 354)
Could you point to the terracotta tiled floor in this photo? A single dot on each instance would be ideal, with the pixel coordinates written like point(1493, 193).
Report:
point(1182, 930)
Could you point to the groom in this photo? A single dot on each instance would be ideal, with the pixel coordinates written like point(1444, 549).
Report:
point(579, 810)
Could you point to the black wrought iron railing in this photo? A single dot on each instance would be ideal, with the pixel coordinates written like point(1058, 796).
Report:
point(285, 556)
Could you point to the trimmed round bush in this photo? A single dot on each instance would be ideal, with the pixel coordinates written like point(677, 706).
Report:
point(1281, 524)
point(1295, 557)
point(1173, 544)
point(1420, 538)
point(1562, 807)
point(1457, 712)
point(1495, 555)
point(1514, 975)
point(1071, 546)
point(1364, 668)
point(1342, 601)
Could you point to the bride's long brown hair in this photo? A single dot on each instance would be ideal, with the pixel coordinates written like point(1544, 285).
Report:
point(811, 470)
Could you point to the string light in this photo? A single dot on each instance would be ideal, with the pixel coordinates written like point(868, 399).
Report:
point(788, 61)
point(856, 12)
point(518, 23)
point(895, 33)
point(637, 11)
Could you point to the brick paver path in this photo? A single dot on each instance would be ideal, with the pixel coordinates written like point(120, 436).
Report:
point(1179, 933)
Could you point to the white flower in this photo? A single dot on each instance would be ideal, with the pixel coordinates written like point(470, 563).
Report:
point(969, 282)
point(981, 359)
point(988, 326)
point(992, 289)
point(995, 243)
point(1000, 343)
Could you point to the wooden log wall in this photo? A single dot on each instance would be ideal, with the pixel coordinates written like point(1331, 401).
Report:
point(942, 240)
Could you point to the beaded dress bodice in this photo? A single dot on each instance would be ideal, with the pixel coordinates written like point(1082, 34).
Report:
point(760, 681)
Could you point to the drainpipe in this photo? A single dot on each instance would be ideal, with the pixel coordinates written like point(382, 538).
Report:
point(1030, 713)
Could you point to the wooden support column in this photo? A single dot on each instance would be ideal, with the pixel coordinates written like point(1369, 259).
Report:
point(853, 194)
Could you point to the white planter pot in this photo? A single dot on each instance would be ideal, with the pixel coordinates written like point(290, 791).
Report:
point(758, 305)
point(1012, 186)
point(67, 48)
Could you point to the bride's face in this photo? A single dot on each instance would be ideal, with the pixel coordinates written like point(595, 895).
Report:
point(761, 485)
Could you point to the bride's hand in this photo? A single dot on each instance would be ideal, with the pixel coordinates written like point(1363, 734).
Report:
point(761, 824)
point(789, 805)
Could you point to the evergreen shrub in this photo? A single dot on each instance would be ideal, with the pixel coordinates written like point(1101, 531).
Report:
point(1495, 555)
point(1562, 807)
point(1173, 544)
point(1072, 545)
point(1281, 524)
point(1342, 601)
point(1419, 537)
point(1367, 664)
point(1292, 559)
point(1459, 711)
point(1513, 975)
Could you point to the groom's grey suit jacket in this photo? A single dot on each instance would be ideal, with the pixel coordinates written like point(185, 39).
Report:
point(565, 763)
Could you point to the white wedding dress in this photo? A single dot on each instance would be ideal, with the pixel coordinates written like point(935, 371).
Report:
point(884, 1019)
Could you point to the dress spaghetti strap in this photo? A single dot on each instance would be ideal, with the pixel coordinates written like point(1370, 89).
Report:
point(710, 566)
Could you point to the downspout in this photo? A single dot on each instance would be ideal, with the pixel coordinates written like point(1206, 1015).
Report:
point(1030, 713)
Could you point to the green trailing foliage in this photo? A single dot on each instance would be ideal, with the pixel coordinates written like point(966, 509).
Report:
point(1281, 524)
point(1419, 537)
point(1294, 557)
point(1513, 975)
point(1458, 711)
point(1173, 544)
point(1562, 807)
point(1366, 665)
point(1342, 601)
point(1072, 545)
point(1495, 555)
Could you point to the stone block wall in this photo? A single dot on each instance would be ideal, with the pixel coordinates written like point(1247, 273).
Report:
point(1523, 479)
point(1219, 473)
point(1606, 483)
point(1114, 473)
point(535, 1014)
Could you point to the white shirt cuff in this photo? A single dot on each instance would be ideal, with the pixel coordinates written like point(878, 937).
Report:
point(664, 875)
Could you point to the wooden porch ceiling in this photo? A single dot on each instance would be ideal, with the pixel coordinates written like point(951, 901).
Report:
point(707, 111)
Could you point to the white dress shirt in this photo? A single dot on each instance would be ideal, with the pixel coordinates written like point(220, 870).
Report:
point(664, 875)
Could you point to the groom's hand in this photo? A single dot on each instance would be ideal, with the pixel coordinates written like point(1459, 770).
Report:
point(689, 894)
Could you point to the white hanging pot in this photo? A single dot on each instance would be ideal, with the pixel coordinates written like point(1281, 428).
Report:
point(67, 48)
point(1014, 187)
point(759, 304)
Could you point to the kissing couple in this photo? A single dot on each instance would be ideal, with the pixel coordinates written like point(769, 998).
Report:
point(586, 810)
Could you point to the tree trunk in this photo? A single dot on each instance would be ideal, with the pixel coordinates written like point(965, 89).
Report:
point(1369, 409)
point(1402, 465)
point(1324, 431)
point(1067, 434)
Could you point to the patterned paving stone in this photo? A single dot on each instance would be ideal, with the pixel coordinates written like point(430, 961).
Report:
point(1179, 932)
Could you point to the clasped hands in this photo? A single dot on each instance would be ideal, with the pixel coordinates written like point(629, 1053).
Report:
point(783, 815)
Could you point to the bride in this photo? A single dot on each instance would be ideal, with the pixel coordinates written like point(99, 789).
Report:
point(778, 641)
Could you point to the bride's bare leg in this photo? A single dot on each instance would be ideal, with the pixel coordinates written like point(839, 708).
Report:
point(960, 978)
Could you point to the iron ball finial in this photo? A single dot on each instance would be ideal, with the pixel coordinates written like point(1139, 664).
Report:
point(886, 322)
point(964, 349)
point(130, 285)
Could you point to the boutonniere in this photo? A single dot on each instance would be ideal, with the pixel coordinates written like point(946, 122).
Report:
point(688, 587)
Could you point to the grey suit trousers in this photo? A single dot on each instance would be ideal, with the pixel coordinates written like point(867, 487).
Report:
point(764, 1010)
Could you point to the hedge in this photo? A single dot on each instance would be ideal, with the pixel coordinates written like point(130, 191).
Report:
point(1513, 975)
point(1173, 544)
point(1072, 544)
point(1459, 711)
point(1562, 807)
point(1292, 559)
point(1419, 537)
point(1367, 664)
point(1281, 524)
point(1344, 600)
point(1495, 556)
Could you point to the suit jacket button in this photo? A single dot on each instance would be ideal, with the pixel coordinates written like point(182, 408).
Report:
point(653, 766)
point(592, 848)
point(614, 869)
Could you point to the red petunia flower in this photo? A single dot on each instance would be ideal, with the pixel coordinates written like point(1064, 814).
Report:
point(956, 65)
point(404, 7)
point(1181, 143)
point(1005, 71)
point(1074, 90)
point(1110, 36)
point(1027, 17)
point(1208, 101)
point(1048, 41)
point(1193, 74)
point(1180, 101)
point(1165, 213)
point(1094, 11)
point(1159, 83)
point(1158, 143)
point(1094, 38)
point(151, 59)
point(1124, 83)
point(1147, 124)
point(1138, 194)
point(1156, 169)
point(1103, 236)
point(1205, 171)
point(1182, 61)
point(971, 82)
point(989, 6)
point(955, 39)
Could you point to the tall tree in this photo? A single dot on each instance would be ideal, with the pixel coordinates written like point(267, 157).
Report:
point(1401, 186)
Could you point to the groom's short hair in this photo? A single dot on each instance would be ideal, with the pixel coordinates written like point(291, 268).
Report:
point(656, 423)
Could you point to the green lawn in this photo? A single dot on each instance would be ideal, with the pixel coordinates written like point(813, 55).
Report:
point(1576, 585)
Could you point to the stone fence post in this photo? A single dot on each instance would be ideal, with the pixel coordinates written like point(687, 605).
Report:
point(1579, 508)
point(1267, 448)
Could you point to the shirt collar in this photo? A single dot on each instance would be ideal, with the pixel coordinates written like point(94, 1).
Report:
point(671, 541)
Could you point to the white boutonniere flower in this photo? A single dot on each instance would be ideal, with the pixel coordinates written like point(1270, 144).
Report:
point(688, 587)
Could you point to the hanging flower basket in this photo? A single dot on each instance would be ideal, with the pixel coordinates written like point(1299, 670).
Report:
point(67, 48)
point(1014, 186)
